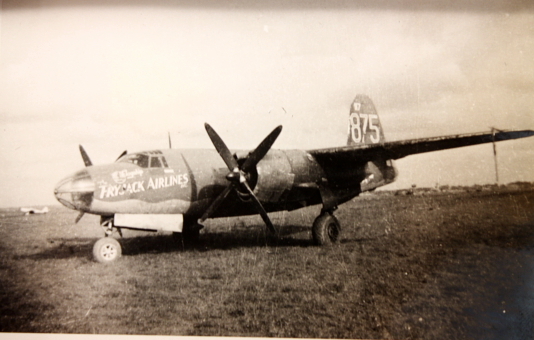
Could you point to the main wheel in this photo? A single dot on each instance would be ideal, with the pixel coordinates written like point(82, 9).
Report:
point(326, 229)
point(107, 250)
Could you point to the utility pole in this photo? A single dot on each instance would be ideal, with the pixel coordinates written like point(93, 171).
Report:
point(495, 156)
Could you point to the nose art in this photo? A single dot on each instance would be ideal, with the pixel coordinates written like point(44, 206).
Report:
point(76, 191)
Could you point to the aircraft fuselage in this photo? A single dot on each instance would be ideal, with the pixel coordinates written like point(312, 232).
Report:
point(186, 182)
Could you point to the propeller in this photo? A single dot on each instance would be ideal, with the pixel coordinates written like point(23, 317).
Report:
point(122, 154)
point(87, 162)
point(86, 159)
point(238, 174)
point(79, 217)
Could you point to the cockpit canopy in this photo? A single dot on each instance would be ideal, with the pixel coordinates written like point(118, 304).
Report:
point(150, 159)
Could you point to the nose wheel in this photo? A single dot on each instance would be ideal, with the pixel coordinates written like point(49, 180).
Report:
point(107, 249)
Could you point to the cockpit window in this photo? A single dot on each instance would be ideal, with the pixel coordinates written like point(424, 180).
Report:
point(155, 162)
point(138, 159)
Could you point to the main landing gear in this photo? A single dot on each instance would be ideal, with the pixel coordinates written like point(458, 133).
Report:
point(190, 234)
point(107, 249)
point(326, 229)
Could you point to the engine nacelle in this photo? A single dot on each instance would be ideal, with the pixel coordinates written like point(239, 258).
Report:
point(274, 176)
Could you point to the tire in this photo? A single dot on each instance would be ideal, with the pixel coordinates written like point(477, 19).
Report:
point(326, 230)
point(107, 250)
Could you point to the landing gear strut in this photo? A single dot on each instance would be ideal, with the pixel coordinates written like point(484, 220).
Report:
point(326, 229)
point(107, 224)
point(190, 234)
point(107, 249)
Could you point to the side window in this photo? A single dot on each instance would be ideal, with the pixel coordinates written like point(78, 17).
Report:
point(155, 162)
point(137, 159)
point(164, 161)
point(142, 161)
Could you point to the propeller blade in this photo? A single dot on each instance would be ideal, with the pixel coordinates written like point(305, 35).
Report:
point(79, 217)
point(85, 157)
point(170, 144)
point(236, 177)
point(221, 148)
point(260, 208)
point(255, 156)
point(122, 154)
point(213, 207)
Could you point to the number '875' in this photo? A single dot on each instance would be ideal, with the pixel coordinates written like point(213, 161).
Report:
point(361, 124)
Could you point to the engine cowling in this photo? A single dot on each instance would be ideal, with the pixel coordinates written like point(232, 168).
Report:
point(274, 176)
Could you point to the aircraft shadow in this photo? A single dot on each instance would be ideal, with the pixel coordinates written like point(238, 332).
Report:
point(64, 248)
point(257, 236)
point(253, 236)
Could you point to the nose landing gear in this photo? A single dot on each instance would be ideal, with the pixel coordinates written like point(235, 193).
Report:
point(107, 249)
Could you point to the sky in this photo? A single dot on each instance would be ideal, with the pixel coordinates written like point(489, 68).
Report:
point(116, 75)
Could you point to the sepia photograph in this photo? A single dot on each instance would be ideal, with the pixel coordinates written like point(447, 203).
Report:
point(267, 169)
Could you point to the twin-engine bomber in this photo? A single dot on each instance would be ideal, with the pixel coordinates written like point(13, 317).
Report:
point(176, 190)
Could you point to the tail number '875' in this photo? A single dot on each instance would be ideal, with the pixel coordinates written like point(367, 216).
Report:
point(363, 123)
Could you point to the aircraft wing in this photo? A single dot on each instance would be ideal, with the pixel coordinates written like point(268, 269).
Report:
point(358, 154)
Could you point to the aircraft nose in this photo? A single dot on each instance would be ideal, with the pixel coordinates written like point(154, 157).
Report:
point(76, 191)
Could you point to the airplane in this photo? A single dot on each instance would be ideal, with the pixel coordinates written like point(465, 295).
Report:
point(28, 211)
point(177, 190)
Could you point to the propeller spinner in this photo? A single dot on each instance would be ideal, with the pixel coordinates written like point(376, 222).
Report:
point(238, 174)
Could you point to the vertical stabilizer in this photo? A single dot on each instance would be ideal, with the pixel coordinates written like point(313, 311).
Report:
point(364, 124)
point(365, 128)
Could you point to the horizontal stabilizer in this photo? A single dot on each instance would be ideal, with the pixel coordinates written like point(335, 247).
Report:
point(399, 149)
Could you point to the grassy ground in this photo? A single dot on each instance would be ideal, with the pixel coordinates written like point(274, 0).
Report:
point(435, 266)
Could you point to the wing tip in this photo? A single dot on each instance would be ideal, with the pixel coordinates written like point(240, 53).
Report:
point(514, 134)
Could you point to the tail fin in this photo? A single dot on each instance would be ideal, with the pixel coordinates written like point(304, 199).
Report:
point(364, 125)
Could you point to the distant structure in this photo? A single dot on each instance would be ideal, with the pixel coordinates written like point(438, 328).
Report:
point(28, 211)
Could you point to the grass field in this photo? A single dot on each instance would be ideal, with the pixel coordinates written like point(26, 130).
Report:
point(418, 266)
